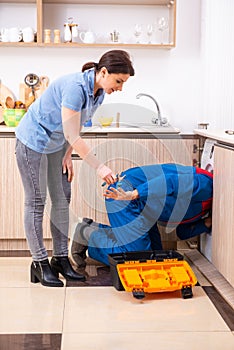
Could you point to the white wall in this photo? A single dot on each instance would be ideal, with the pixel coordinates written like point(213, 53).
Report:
point(173, 77)
point(217, 58)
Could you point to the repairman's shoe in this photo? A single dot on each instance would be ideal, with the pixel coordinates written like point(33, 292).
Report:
point(79, 245)
point(62, 265)
point(41, 272)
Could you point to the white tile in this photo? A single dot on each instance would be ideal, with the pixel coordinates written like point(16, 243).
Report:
point(148, 341)
point(29, 310)
point(15, 272)
point(104, 309)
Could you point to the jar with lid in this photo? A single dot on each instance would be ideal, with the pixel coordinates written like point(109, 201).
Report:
point(67, 33)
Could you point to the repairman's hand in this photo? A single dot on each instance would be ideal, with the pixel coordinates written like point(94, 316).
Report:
point(120, 195)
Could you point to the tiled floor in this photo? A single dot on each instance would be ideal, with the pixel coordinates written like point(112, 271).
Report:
point(34, 317)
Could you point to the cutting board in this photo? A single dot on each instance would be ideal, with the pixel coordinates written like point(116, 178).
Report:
point(25, 92)
point(4, 93)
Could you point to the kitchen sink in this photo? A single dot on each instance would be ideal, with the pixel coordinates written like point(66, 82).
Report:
point(133, 128)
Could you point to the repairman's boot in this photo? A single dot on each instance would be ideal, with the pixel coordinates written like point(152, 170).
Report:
point(62, 265)
point(79, 245)
point(41, 272)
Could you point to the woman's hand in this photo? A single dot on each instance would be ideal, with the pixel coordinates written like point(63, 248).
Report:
point(120, 195)
point(68, 166)
point(106, 174)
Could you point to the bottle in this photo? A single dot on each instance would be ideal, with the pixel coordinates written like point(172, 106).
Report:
point(67, 33)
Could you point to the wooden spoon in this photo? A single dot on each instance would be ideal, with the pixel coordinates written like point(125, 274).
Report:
point(10, 103)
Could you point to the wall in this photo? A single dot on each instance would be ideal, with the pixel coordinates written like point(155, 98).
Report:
point(173, 77)
point(217, 59)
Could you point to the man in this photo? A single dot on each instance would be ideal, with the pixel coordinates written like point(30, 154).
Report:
point(176, 196)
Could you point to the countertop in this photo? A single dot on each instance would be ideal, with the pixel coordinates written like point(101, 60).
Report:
point(6, 129)
point(98, 130)
point(216, 134)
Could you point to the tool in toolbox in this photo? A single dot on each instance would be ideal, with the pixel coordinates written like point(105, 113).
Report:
point(152, 271)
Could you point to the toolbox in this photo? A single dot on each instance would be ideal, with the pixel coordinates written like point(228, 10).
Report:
point(151, 271)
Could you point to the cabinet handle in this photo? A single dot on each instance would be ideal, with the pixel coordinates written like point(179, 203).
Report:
point(75, 156)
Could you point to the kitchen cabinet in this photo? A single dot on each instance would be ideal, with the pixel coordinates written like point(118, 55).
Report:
point(223, 208)
point(12, 200)
point(120, 154)
point(122, 17)
point(87, 192)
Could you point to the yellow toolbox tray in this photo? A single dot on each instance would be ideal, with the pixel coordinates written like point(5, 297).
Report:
point(167, 271)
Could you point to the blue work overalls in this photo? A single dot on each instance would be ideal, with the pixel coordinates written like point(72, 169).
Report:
point(174, 195)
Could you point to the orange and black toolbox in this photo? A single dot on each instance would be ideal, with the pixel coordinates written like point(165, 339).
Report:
point(151, 271)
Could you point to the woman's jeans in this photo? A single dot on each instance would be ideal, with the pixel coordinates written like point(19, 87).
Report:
point(39, 171)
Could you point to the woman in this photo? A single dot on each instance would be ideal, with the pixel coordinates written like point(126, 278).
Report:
point(46, 136)
point(176, 196)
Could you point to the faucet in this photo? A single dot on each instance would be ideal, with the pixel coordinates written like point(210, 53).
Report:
point(158, 119)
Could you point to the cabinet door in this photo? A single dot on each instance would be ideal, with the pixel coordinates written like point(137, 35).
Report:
point(12, 196)
point(11, 189)
point(83, 188)
point(121, 154)
point(223, 208)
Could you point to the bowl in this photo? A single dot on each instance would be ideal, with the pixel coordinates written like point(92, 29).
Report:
point(105, 121)
point(12, 117)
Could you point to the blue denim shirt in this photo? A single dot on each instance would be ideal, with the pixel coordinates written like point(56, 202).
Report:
point(41, 127)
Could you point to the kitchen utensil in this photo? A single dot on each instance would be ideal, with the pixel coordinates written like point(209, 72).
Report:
point(67, 35)
point(29, 101)
point(4, 35)
point(150, 30)
point(117, 119)
point(87, 37)
point(47, 33)
point(114, 36)
point(4, 93)
point(12, 117)
point(57, 36)
point(138, 32)
point(10, 103)
point(31, 80)
point(162, 26)
point(43, 84)
point(15, 35)
point(28, 34)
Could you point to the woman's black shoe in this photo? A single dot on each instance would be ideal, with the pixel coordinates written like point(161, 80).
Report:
point(41, 272)
point(62, 265)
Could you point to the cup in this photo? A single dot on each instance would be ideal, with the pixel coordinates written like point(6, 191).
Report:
point(14, 35)
point(28, 35)
point(87, 37)
point(4, 35)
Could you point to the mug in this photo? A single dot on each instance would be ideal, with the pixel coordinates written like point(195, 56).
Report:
point(28, 35)
point(14, 35)
point(87, 37)
point(4, 35)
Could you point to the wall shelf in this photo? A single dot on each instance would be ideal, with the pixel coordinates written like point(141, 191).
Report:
point(42, 10)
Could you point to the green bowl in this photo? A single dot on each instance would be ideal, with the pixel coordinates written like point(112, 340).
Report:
point(12, 117)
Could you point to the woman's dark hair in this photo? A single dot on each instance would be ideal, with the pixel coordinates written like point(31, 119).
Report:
point(115, 61)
